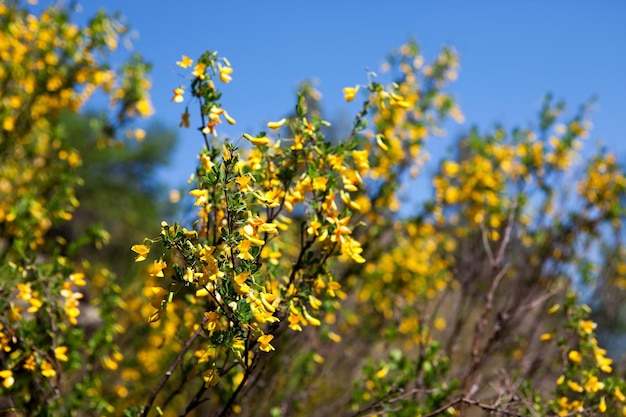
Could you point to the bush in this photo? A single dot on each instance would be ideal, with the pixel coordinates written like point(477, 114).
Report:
point(309, 283)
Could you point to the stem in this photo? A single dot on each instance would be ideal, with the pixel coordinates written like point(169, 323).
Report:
point(206, 139)
point(226, 410)
point(477, 355)
point(169, 372)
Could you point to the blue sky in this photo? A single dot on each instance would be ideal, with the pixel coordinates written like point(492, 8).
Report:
point(512, 53)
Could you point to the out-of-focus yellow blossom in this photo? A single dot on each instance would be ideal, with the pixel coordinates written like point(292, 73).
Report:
point(141, 251)
point(258, 141)
point(264, 342)
point(277, 125)
point(602, 405)
point(7, 378)
point(48, 370)
point(587, 326)
point(225, 72)
point(554, 309)
point(349, 93)
point(229, 119)
point(575, 356)
point(593, 385)
point(178, 95)
point(211, 378)
point(574, 386)
point(185, 62)
point(60, 353)
point(156, 268)
point(199, 70)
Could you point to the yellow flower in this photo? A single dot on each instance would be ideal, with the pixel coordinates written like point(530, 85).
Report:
point(269, 228)
point(294, 321)
point(229, 119)
point(212, 320)
point(254, 240)
point(185, 62)
point(225, 73)
point(156, 268)
point(574, 386)
point(310, 319)
point(382, 372)
point(604, 363)
point(380, 142)
point(240, 283)
point(238, 344)
point(198, 70)
point(450, 168)
point(270, 198)
point(139, 134)
point(593, 384)
point(211, 377)
point(144, 107)
point(602, 405)
point(575, 356)
point(546, 337)
point(554, 309)
point(178, 95)
point(319, 183)
point(350, 92)
point(258, 141)
point(244, 250)
point(7, 376)
point(277, 125)
point(587, 326)
point(440, 323)
point(264, 341)
point(201, 196)
point(619, 395)
point(60, 353)
point(189, 275)
point(141, 251)
point(48, 370)
point(315, 302)
point(334, 337)
point(243, 182)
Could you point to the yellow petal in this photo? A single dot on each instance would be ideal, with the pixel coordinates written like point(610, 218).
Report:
point(258, 141)
point(278, 124)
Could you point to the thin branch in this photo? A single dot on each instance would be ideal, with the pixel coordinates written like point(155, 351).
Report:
point(248, 370)
point(475, 403)
point(483, 233)
point(507, 233)
point(170, 370)
point(204, 135)
point(480, 326)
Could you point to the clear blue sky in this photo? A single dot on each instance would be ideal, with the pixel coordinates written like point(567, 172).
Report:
point(512, 53)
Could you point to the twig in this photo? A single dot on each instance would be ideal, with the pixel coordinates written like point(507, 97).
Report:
point(170, 370)
point(248, 369)
point(483, 233)
point(480, 326)
point(507, 233)
point(475, 403)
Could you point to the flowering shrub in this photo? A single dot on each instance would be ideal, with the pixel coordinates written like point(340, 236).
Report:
point(309, 283)
point(50, 66)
